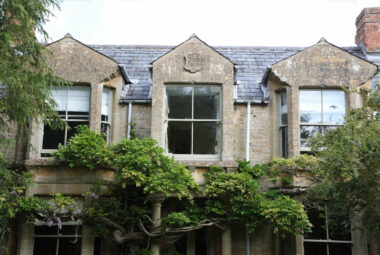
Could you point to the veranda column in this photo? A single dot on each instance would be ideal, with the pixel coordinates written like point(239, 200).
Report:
point(226, 242)
point(156, 215)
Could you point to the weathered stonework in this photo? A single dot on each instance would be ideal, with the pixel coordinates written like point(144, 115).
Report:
point(211, 69)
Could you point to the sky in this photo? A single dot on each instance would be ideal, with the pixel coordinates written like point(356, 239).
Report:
point(217, 22)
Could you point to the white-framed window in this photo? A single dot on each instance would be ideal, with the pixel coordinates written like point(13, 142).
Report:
point(106, 113)
point(283, 124)
point(51, 240)
point(73, 106)
point(193, 119)
point(330, 234)
point(320, 110)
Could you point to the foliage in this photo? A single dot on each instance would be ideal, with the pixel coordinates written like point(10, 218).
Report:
point(143, 172)
point(25, 77)
point(349, 165)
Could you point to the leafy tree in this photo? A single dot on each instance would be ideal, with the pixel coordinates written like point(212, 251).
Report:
point(143, 173)
point(348, 169)
point(25, 81)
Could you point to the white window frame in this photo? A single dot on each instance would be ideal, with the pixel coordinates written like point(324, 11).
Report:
point(107, 122)
point(322, 124)
point(66, 119)
point(282, 126)
point(191, 156)
point(328, 241)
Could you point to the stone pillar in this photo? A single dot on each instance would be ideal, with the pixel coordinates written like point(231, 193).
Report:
point(26, 241)
point(156, 217)
point(87, 241)
point(190, 243)
point(226, 242)
point(293, 121)
point(96, 106)
point(299, 245)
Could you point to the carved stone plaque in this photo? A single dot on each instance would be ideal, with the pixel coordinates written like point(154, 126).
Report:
point(193, 62)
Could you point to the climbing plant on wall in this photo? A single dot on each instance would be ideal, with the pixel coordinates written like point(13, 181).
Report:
point(143, 174)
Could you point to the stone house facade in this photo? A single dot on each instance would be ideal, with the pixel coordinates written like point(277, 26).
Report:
point(206, 106)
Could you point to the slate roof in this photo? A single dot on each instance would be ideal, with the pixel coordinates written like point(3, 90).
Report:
point(251, 63)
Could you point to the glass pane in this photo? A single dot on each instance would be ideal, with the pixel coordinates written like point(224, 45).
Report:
point(206, 137)
point(79, 99)
point(201, 241)
point(283, 109)
point(71, 130)
point(60, 96)
point(307, 132)
point(334, 107)
point(45, 246)
point(179, 102)
point(71, 230)
point(339, 249)
point(284, 142)
point(315, 248)
point(46, 230)
point(318, 219)
point(179, 137)
point(207, 102)
point(69, 246)
point(106, 102)
point(52, 138)
point(310, 106)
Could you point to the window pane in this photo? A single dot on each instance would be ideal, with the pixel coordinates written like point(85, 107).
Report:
point(45, 246)
point(71, 230)
point(310, 106)
point(283, 109)
point(315, 248)
point(46, 230)
point(71, 130)
point(333, 106)
point(106, 102)
point(179, 136)
point(206, 137)
point(307, 132)
point(179, 102)
point(52, 138)
point(60, 96)
point(318, 219)
point(79, 99)
point(69, 246)
point(284, 142)
point(77, 115)
point(207, 102)
point(339, 249)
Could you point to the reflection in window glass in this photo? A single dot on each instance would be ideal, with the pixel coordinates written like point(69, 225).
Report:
point(206, 137)
point(193, 117)
point(179, 134)
point(283, 124)
point(310, 106)
point(320, 110)
point(179, 102)
point(206, 103)
point(334, 107)
point(105, 125)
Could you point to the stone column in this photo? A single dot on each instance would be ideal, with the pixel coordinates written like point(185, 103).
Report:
point(293, 121)
point(87, 241)
point(26, 239)
point(299, 245)
point(226, 242)
point(156, 217)
point(96, 106)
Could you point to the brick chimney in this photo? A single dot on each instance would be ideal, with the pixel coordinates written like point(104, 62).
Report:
point(368, 29)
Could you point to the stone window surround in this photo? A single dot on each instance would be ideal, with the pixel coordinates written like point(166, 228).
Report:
point(353, 100)
point(197, 157)
point(96, 91)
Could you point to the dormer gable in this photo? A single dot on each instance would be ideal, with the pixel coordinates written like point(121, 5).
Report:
point(324, 64)
point(76, 62)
